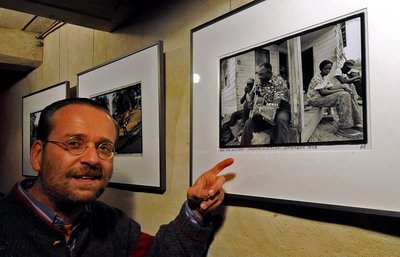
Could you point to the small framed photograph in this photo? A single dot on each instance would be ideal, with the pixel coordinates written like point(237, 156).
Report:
point(32, 105)
point(132, 88)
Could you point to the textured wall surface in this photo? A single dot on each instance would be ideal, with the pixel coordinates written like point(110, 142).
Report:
point(247, 231)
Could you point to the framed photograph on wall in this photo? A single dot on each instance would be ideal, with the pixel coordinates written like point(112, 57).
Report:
point(284, 111)
point(132, 89)
point(288, 110)
point(262, 45)
point(32, 105)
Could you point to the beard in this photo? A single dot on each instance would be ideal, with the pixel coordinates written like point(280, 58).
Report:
point(55, 184)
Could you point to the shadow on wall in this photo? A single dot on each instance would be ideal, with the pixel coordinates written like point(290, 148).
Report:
point(370, 221)
point(9, 77)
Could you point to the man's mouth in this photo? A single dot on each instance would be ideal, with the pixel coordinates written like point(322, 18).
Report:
point(86, 177)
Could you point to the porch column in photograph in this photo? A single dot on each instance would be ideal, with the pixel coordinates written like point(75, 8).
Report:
point(296, 85)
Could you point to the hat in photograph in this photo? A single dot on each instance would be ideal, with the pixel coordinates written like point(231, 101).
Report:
point(250, 81)
point(349, 62)
point(357, 65)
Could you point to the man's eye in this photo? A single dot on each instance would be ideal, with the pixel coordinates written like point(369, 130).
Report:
point(106, 147)
point(75, 143)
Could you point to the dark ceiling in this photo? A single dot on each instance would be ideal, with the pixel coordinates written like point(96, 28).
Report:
point(106, 15)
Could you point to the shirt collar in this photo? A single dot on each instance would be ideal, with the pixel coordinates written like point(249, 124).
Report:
point(43, 211)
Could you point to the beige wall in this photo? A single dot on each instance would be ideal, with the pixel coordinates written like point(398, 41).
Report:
point(246, 231)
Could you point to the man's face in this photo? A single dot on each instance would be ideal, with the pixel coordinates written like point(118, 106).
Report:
point(264, 74)
point(248, 87)
point(347, 67)
point(68, 178)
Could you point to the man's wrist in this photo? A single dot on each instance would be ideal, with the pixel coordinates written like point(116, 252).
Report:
point(194, 215)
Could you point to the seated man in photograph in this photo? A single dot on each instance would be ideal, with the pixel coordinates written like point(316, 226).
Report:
point(56, 214)
point(270, 108)
point(246, 100)
point(345, 77)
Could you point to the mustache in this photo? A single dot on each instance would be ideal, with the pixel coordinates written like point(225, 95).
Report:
point(87, 171)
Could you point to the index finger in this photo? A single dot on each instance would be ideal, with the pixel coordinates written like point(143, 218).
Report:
point(221, 165)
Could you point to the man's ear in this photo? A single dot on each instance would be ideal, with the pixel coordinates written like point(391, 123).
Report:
point(36, 155)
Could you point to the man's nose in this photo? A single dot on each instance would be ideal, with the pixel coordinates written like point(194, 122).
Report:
point(90, 155)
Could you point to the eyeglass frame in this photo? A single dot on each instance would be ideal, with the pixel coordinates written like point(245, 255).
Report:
point(86, 143)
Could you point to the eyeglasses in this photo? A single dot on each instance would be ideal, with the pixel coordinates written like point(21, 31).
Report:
point(77, 146)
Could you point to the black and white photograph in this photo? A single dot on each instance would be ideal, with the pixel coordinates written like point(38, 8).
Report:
point(305, 89)
point(289, 99)
point(34, 122)
point(32, 106)
point(126, 108)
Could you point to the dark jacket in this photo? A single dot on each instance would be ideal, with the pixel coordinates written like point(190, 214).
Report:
point(105, 232)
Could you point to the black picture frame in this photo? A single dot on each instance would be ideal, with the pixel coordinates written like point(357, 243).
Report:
point(32, 105)
point(142, 169)
point(329, 175)
point(295, 56)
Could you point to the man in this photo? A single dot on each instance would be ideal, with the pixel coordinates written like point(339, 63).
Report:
point(238, 118)
point(246, 100)
point(58, 215)
point(344, 78)
point(273, 95)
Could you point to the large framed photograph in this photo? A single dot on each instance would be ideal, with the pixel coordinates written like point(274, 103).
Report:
point(289, 99)
point(132, 89)
point(313, 95)
point(32, 105)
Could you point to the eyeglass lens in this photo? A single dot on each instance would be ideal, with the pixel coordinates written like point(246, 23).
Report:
point(77, 145)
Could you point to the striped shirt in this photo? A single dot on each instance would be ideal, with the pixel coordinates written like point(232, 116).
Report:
point(49, 216)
